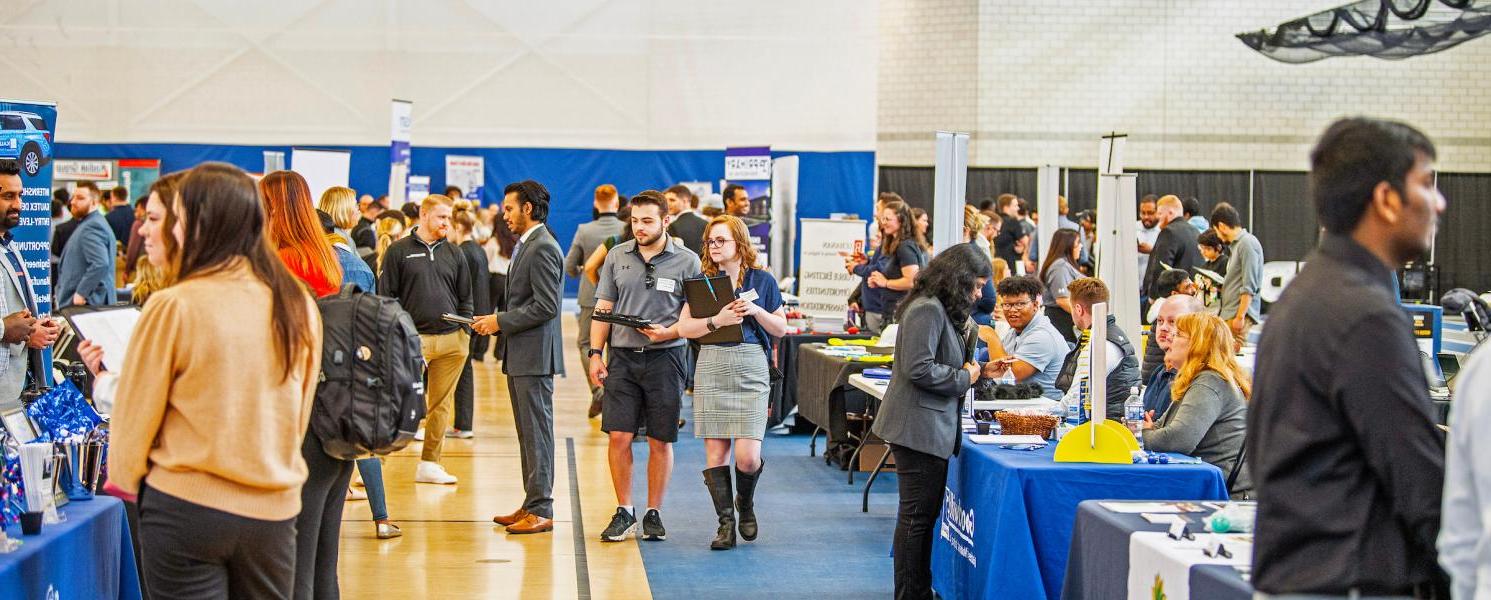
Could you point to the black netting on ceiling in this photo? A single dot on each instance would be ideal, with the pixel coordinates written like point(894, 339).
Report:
point(1388, 29)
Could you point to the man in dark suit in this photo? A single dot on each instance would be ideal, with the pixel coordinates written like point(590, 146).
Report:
point(530, 349)
point(1174, 248)
point(86, 274)
point(687, 225)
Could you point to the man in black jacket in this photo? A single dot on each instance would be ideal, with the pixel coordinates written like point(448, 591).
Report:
point(429, 277)
point(687, 225)
point(1175, 248)
point(1348, 465)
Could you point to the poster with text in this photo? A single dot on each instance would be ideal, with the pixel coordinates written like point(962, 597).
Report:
point(402, 115)
point(751, 169)
point(27, 135)
point(823, 285)
point(467, 173)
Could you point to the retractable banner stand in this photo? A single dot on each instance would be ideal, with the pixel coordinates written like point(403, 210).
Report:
point(27, 134)
point(751, 169)
point(467, 173)
point(398, 172)
point(823, 286)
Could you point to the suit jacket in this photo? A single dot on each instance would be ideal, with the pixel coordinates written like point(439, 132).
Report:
point(920, 410)
point(530, 341)
point(588, 237)
point(87, 267)
point(1176, 247)
point(689, 228)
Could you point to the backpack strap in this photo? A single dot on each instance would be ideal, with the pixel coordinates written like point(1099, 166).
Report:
point(347, 290)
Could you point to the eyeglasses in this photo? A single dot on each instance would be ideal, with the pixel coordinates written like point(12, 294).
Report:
point(1021, 305)
point(717, 242)
point(650, 281)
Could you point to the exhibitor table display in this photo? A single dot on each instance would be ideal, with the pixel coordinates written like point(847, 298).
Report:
point(1007, 515)
point(823, 372)
point(784, 397)
point(1127, 550)
point(87, 555)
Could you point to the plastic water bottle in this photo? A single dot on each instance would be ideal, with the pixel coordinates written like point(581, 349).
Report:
point(1133, 415)
point(1073, 410)
point(1084, 404)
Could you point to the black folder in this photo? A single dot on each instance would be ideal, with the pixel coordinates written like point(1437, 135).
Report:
point(706, 296)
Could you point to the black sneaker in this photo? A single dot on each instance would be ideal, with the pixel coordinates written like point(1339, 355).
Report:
point(652, 527)
point(622, 523)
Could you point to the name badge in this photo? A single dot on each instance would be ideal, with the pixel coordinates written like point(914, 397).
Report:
point(666, 285)
point(750, 296)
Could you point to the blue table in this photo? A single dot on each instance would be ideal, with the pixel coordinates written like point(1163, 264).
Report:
point(1007, 515)
point(88, 556)
point(1098, 566)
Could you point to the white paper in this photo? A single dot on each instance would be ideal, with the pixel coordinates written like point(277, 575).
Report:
point(666, 285)
point(1006, 439)
point(109, 329)
point(1140, 507)
point(1162, 519)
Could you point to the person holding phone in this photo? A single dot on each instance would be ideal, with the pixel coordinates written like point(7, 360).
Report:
point(732, 381)
point(24, 331)
point(919, 417)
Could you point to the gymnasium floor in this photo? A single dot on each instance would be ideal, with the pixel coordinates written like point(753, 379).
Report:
point(814, 542)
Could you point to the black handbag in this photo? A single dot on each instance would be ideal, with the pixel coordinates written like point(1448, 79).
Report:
point(775, 373)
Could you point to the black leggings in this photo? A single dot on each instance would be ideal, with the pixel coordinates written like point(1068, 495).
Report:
point(922, 478)
point(320, 522)
point(192, 551)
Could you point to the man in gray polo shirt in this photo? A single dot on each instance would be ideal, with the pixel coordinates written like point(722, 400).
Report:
point(1240, 303)
point(644, 378)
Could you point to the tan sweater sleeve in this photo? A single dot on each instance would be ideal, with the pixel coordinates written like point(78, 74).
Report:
point(144, 387)
point(312, 368)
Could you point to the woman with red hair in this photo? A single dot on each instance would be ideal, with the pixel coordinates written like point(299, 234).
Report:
point(295, 232)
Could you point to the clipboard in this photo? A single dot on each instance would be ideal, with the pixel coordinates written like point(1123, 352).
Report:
point(706, 296)
point(108, 326)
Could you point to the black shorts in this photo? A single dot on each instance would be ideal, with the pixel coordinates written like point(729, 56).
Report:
point(645, 388)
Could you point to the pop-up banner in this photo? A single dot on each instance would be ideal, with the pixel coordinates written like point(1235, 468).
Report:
point(27, 136)
point(751, 169)
point(398, 172)
point(823, 285)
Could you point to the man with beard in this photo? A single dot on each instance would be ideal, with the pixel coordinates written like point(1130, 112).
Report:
point(645, 376)
point(23, 332)
point(1149, 230)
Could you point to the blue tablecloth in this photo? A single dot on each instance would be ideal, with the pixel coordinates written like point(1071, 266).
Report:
point(87, 556)
point(1098, 566)
point(1007, 515)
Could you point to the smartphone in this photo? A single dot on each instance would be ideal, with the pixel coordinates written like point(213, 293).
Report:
point(458, 319)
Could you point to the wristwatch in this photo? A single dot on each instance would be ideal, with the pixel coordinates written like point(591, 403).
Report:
point(709, 322)
point(596, 352)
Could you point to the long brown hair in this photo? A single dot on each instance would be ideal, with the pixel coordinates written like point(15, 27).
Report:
point(224, 222)
point(1210, 350)
point(1062, 243)
point(743, 247)
point(295, 229)
point(166, 189)
point(907, 231)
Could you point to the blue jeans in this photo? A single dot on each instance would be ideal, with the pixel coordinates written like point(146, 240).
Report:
point(372, 478)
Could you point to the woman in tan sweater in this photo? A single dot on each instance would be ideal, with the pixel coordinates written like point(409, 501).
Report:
point(214, 400)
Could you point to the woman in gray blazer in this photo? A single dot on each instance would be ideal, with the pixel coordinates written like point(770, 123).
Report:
point(919, 417)
point(1209, 415)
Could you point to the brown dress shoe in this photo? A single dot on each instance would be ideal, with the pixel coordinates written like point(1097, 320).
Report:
point(531, 523)
point(506, 520)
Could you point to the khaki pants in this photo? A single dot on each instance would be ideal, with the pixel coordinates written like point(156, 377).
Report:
point(446, 354)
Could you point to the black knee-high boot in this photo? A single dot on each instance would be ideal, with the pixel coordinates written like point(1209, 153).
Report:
point(717, 479)
point(745, 501)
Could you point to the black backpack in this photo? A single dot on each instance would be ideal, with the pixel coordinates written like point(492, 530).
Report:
point(371, 394)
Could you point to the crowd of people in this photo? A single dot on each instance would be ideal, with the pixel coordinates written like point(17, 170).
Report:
point(1330, 431)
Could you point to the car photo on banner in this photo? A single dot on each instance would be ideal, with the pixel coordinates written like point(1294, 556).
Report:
point(24, 136)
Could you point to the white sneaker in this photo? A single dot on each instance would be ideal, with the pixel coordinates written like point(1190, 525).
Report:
point(419, 436)
point(432, 472)
point(459, 434)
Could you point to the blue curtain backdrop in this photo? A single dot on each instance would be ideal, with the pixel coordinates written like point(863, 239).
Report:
point(828, 182)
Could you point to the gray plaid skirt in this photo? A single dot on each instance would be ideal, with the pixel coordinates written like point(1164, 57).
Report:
point(731, 389)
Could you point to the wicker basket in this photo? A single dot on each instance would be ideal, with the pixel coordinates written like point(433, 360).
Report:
point(1013, 424)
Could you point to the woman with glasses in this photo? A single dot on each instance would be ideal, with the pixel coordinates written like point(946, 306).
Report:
point(919, 416)
point(1208, 416)
point(732, 381)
